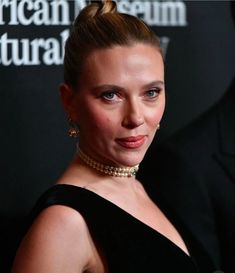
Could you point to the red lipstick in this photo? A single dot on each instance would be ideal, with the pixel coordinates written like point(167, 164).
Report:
point(132, 142)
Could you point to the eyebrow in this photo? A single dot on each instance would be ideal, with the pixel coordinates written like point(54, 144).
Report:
point(113, 86)
point(151, 84)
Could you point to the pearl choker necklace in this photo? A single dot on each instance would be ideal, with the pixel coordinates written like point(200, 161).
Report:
point(106, 169)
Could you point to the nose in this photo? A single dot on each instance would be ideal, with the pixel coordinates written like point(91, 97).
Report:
point(133, 114)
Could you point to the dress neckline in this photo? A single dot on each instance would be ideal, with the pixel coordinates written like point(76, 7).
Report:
point(138, 221)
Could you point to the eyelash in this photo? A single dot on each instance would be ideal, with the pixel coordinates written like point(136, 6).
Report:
point(116, 95)
point(157, 92)
point(106, 93)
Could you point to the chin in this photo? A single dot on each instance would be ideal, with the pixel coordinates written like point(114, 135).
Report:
point(132, 159)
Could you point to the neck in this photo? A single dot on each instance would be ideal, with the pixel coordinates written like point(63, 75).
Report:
point(107, 169)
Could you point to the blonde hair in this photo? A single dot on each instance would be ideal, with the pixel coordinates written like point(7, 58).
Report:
point(98, 26)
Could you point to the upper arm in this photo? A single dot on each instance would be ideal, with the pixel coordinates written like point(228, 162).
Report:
point(58, 241)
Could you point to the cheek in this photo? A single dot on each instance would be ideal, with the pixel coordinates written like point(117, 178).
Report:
point(161, 110)
point(155, 116)
point(102, 124)
point(97, 121)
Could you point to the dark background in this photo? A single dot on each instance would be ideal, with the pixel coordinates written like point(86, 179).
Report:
point(34, 147)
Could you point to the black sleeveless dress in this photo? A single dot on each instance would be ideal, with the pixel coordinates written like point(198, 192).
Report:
point(129, 245)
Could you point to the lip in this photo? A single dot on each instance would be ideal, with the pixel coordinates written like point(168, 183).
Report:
point(132, 142)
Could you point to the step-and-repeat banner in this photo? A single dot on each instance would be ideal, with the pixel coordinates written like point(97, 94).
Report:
point(198, 41)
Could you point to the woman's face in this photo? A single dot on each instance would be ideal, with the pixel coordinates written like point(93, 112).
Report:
point(119, 103)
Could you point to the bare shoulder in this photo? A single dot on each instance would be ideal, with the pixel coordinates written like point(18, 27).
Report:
point(58, 241)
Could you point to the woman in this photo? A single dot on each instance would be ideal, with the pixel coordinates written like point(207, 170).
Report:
point(99, 218)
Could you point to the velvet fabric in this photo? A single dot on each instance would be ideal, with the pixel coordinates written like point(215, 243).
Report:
point(127, 244)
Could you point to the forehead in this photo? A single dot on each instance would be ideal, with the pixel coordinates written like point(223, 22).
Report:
point(121, 63)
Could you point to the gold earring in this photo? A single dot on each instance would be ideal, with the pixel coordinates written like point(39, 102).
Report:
point(158, 126)
point(73, 130)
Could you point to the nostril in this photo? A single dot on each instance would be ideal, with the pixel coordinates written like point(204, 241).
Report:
point(133, 114)
point(132, 121)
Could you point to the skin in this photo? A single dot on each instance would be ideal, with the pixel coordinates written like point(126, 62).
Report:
point(59, 240)
point(134, 78)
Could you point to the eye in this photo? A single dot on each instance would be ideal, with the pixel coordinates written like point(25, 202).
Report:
point(110, 96)
point(153, 93)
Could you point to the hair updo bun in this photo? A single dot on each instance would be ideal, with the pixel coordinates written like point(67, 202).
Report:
point(98, 26)
point(94, 9)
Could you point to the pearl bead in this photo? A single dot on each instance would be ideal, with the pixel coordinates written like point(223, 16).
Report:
point(109, 170)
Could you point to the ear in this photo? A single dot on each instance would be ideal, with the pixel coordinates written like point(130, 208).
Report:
point(67, 95)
